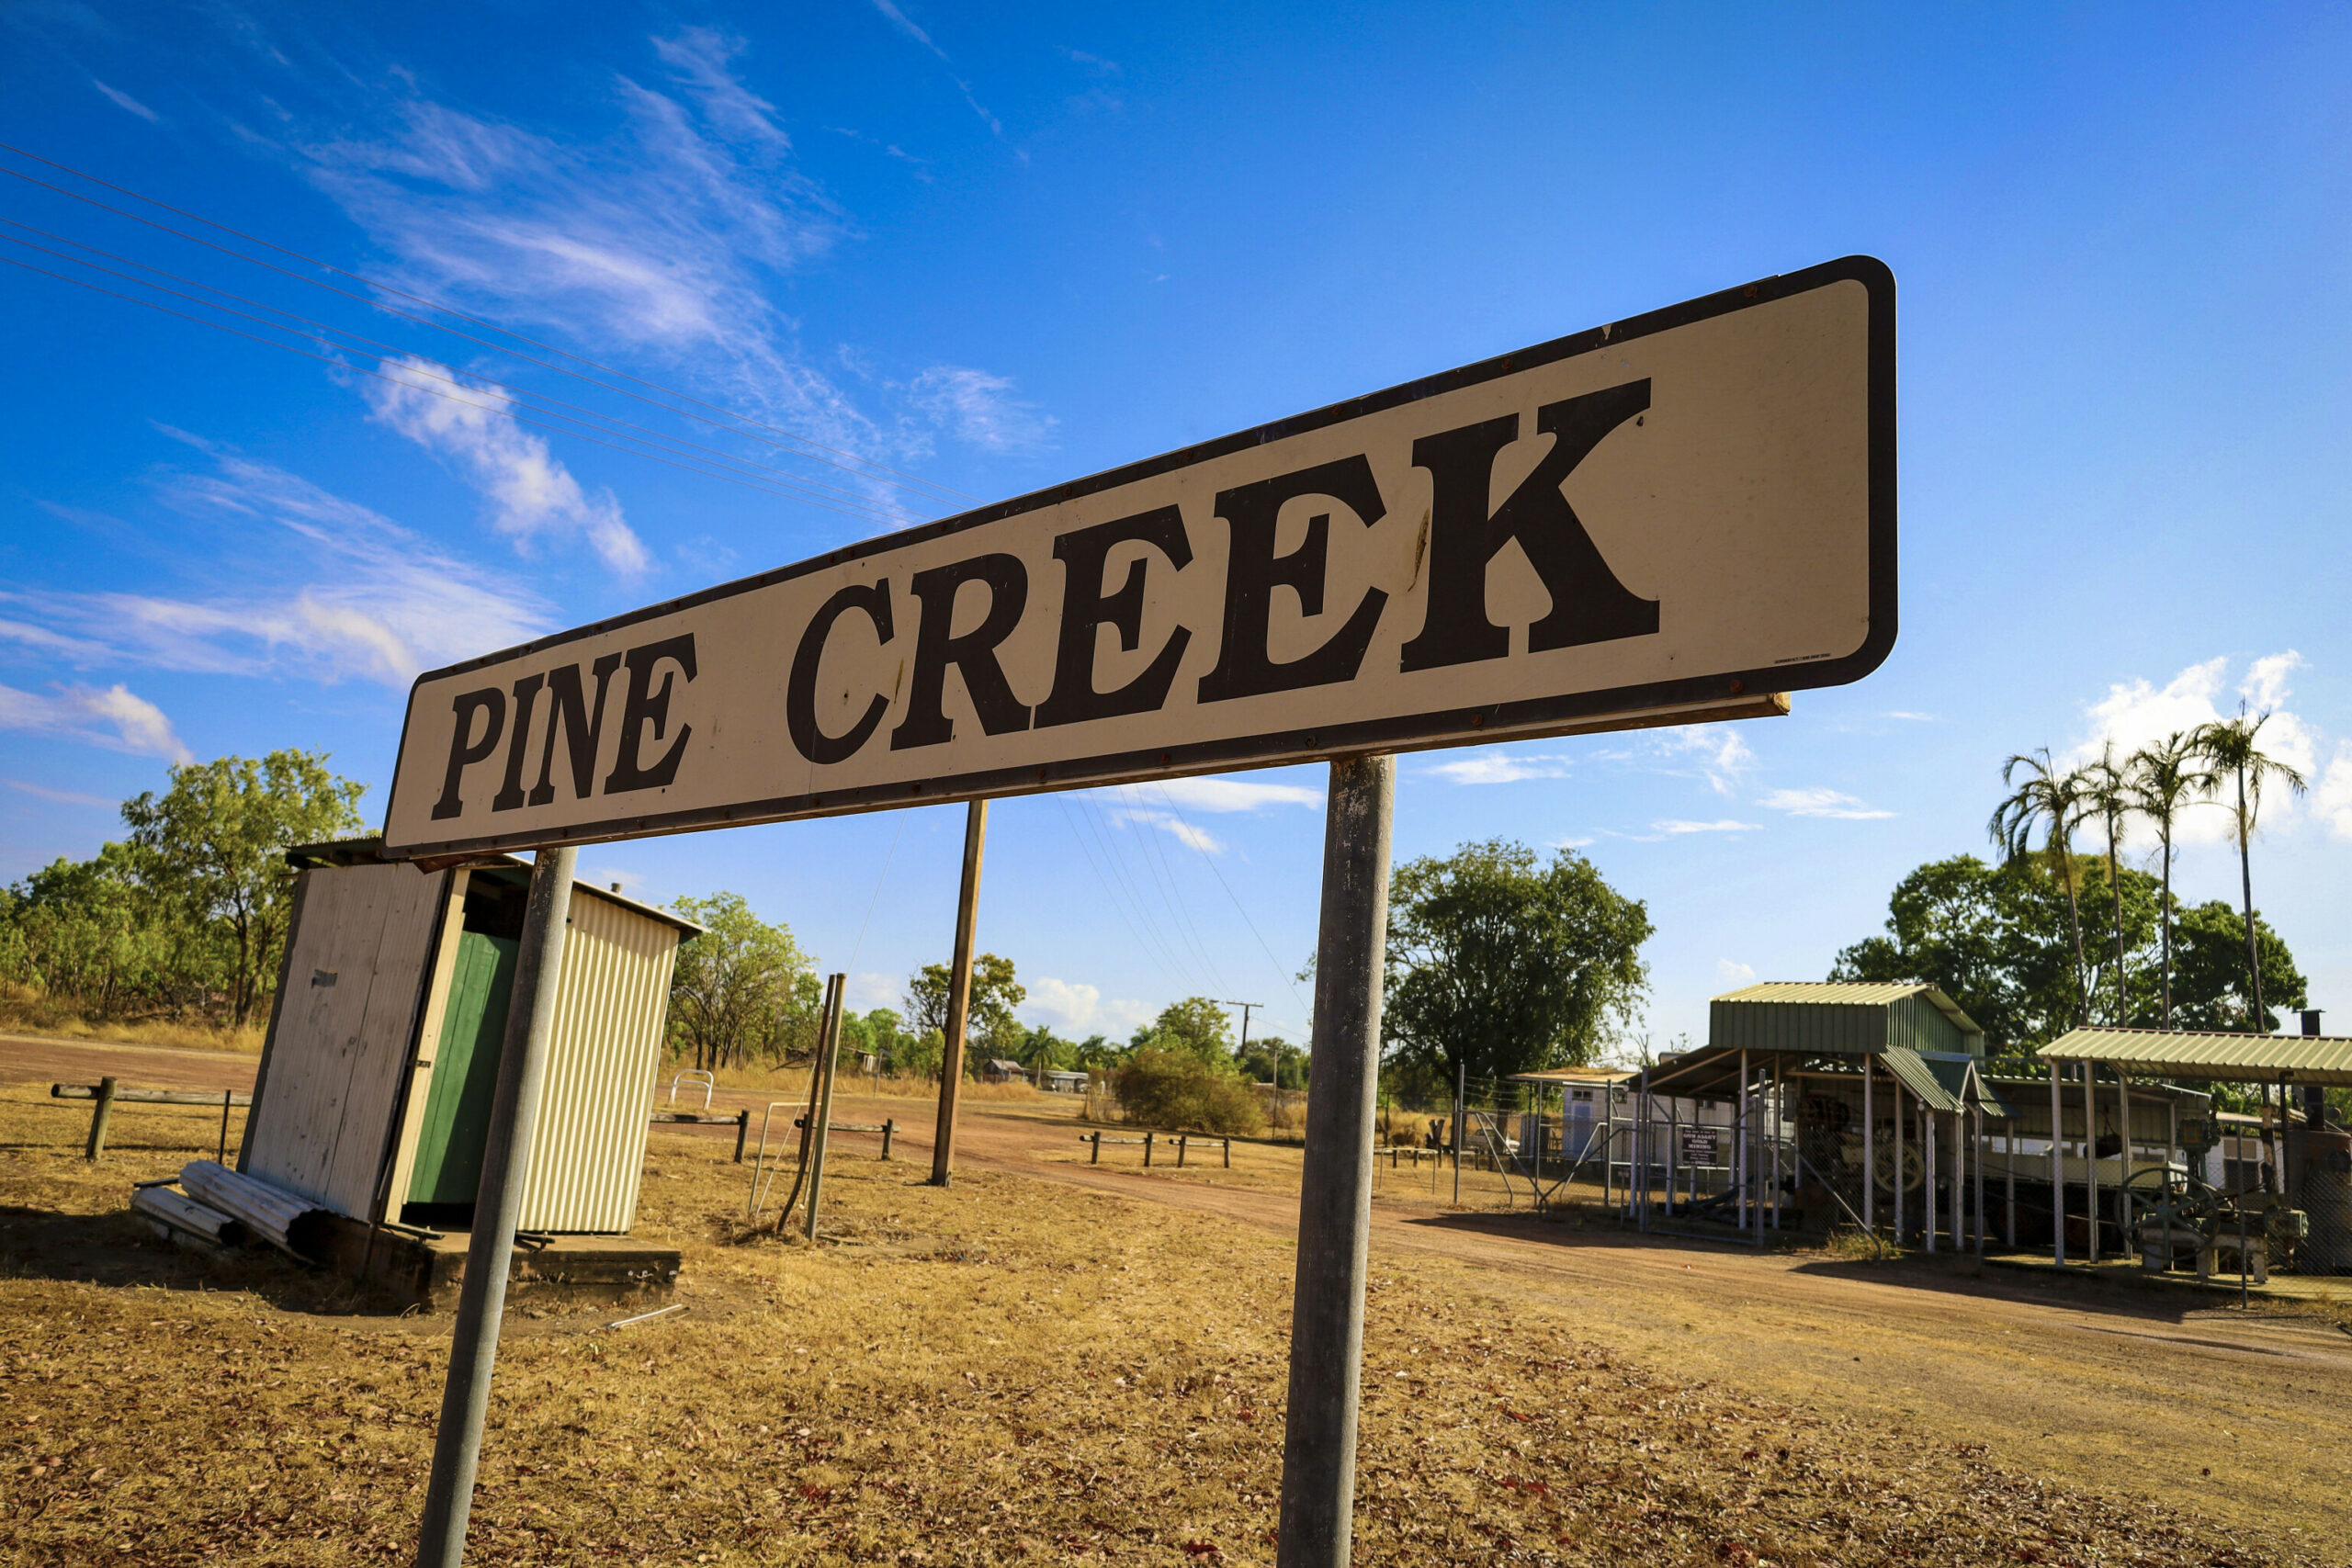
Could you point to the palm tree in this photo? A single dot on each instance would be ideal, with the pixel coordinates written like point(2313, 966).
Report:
point(2165, 777)
point(2107, 794)
point(2042, 794)
point(2231, 748)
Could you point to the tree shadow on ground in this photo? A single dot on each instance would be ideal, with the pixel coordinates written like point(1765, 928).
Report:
point(120, 1250)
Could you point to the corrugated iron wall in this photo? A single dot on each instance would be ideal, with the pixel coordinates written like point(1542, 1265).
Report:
point(588, 1149)
point(1796, 1026)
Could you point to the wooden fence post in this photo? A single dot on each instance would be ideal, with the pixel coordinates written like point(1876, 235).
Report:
point(888, 1124)
point(1183, 1140)
point(222, 1159)
point(1096, 1157)
point(1229, 1153)
point(742, 1131)
point(1147, 1150)
point(99, 1117)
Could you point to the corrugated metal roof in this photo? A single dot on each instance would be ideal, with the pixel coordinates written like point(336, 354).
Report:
point(2211, 1054)
point(1918, 1075)
point(1576, 1075)
point(1852, 993)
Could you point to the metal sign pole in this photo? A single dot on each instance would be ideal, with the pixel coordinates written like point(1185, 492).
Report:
point(1335, 1197)
point(482, 1295)
point(959, 995)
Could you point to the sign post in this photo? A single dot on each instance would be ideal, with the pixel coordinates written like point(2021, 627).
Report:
point(1335, 1189)
point(481, 1293)
point(1670, 520)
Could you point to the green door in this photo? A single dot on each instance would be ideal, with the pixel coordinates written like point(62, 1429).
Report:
point(465, 1072)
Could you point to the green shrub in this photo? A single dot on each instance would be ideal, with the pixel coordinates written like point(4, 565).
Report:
point(1181, 1093)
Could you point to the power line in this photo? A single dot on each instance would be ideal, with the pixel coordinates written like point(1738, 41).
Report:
point(741, 419)
point(1238, 907)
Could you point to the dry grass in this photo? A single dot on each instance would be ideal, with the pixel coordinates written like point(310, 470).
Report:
point(24, 1011)
point(1002, 1371)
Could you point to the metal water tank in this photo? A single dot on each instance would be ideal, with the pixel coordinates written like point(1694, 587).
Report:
point(2328, 1199)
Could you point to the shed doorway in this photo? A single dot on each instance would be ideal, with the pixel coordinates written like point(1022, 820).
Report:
point(456, 1127)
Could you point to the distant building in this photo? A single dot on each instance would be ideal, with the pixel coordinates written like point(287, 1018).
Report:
point(997, 1069)
point(1065, 1080)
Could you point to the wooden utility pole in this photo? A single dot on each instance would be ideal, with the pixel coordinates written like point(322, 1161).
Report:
point(959, 995)
point(1335, 1197)
point(829, 1042)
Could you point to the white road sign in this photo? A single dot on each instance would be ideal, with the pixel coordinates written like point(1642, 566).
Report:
point(1661, 520)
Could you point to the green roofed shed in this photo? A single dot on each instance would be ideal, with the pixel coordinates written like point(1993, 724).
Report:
point(1838, 1017)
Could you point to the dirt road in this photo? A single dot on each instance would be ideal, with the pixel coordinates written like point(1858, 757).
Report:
point(2137, 1394)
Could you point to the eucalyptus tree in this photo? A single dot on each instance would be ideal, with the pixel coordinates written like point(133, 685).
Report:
point(2107, 795)
point(2232, 748)
point(2042, 794)
point(2167, 778)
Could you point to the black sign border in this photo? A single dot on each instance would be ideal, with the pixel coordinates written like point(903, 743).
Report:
point(1737, 692)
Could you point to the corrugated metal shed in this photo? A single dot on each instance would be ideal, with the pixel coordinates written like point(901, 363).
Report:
point(1837, 1018)
point(2213, 1055)
point(588, 1146)
point(364, 1021)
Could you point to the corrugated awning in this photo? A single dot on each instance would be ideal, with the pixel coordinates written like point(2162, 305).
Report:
point(1919, 1076)
point(2209, 1054)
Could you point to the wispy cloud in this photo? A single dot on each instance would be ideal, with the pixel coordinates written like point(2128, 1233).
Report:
point(1715, 751)
point(979, 410)
point(1674, 827)
point(113, 716)
point(62, 796)
point(1223, 795)
point(530, 492)
point(1909, 716)
point(1174, 826)
point(907, 27)
point(1818, 802)
point(871, 988)
point(1734, 974)
point(703, 60)
point(1496, 765)
point(326, 588)
point(125, 101)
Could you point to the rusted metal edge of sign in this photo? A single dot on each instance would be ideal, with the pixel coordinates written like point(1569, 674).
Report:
point(642, 713)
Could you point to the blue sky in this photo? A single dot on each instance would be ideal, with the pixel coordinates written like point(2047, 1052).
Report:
point(993, 253)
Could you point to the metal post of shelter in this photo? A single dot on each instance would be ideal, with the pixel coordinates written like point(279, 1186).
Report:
point(1335, 1195)
point(2090, 1158)
point(498, 1202)
point(2057, 1170)
point(959, 995)
point(1870, 1148)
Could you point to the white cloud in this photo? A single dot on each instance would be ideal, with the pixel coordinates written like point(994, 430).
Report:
point(871, 988)
point(81, 650)
point(333, 591)
point(530, 492)
point(1675, 827)
point(115, 718)
point(125, 101)
point(701, 59)
point(62, 796)
point(2332, 792)
point(1913, 717)
point(1722, 758)
point(1497, 765)
point(978, 409)
point(2135, 712)
point(1732, 974)
point(1574, 843)
point(1821, 802)
point(1224, 795)
point(900, 20)
point(1067, 1006)
point(1175, 827)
